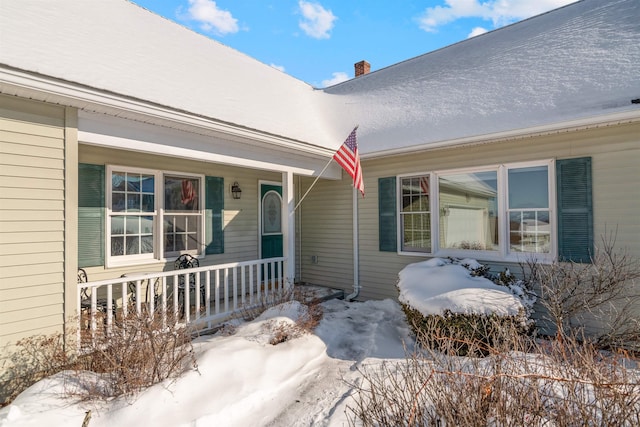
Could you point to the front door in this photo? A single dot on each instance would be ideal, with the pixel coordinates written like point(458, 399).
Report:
point(271, 220)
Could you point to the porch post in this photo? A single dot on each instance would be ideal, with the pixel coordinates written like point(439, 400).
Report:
point(289, 227)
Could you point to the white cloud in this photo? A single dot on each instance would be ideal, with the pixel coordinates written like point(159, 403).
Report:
point(277, 67)
point(212, 18)
point(338, 77)
point(499, 12)
point(477, 31)
point(317, 21)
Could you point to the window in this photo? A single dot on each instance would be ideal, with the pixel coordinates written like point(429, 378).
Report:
point(468, 210)
point(415, 220)
point(503, 211)
point(182, 216)
point(528, 210)
point(142, 225)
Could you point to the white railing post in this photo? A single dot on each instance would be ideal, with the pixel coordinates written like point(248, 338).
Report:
point(217, 292)
point(235, 288)
point(207, 293)
point(226, 289)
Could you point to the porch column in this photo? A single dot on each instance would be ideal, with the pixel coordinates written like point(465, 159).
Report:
point(289, 227)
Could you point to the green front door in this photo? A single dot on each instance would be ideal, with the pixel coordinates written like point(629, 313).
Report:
point(271, 220)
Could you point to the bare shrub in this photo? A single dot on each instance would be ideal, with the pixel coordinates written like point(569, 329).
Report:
point(135, 353)
point(559, 383)
point(252, 311)
point(603, 293)
point(32, 359)
point(282, 331)
point(140, 351)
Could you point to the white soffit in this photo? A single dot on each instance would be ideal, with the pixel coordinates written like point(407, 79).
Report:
point(119, 133)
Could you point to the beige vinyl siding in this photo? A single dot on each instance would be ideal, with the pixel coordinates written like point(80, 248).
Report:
point(32, 227)
point(240, 216)
point(615, 152)
point(327, 233)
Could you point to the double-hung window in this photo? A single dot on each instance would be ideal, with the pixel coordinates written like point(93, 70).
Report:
point(182, 215)
point(415, 214)
point(528, 209)
point(152, 215)
point(500, 212)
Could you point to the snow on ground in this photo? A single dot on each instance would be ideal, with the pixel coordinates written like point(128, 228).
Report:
point(242, 379)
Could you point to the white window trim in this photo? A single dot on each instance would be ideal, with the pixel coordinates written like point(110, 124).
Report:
point(201, 194)
point(158, 255)
point(502, 254)
point(399, 231)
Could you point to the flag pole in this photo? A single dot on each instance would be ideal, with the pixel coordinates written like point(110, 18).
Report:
point(314, 183)
point(317, 178)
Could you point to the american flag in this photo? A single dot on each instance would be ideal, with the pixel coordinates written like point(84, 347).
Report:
point(347, 156)
point(424, 185)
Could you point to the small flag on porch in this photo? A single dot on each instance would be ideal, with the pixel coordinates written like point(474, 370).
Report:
point(347, 156)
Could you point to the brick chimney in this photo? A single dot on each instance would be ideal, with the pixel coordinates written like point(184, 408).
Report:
point(362, 68)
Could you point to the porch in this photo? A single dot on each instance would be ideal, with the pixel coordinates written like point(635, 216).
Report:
point(198, 297)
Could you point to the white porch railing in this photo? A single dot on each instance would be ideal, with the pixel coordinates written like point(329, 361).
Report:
point(200, 296)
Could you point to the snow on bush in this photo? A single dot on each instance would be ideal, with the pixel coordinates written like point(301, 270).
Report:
point(439, 285)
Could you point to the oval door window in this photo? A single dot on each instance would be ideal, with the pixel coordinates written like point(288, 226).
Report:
point(271, 213)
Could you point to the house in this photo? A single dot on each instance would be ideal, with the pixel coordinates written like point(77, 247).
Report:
point(122, 138)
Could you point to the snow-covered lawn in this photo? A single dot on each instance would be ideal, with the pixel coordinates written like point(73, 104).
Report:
point(242, 379)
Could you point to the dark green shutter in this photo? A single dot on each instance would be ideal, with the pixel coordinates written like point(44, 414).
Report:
point(91, 215)
point(214, 206)
point(575, 209)
point(387, 226)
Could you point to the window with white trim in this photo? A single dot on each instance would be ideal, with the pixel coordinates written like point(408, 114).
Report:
point(528, 209)
point(468, 210)
point(152, 215)
point(499, 212)
point(415, 214)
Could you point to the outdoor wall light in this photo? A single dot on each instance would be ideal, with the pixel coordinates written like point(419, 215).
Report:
point(236, 191)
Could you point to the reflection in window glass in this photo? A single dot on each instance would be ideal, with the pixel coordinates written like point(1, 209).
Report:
point(415, 215)
point(132, 193)
point(183, 217)
point(529, 188)
point(181, 194)
point(181, 233)
point(529, 225)
point(175, 213)
point(469, 211)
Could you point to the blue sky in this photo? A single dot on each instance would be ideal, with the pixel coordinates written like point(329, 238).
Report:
point(319, 41)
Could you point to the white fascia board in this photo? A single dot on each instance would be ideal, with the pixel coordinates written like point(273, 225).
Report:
point(628, 116)
point(19, 82)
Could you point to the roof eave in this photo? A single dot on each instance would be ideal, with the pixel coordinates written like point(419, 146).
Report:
point(628, 116)
point(23, 83)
